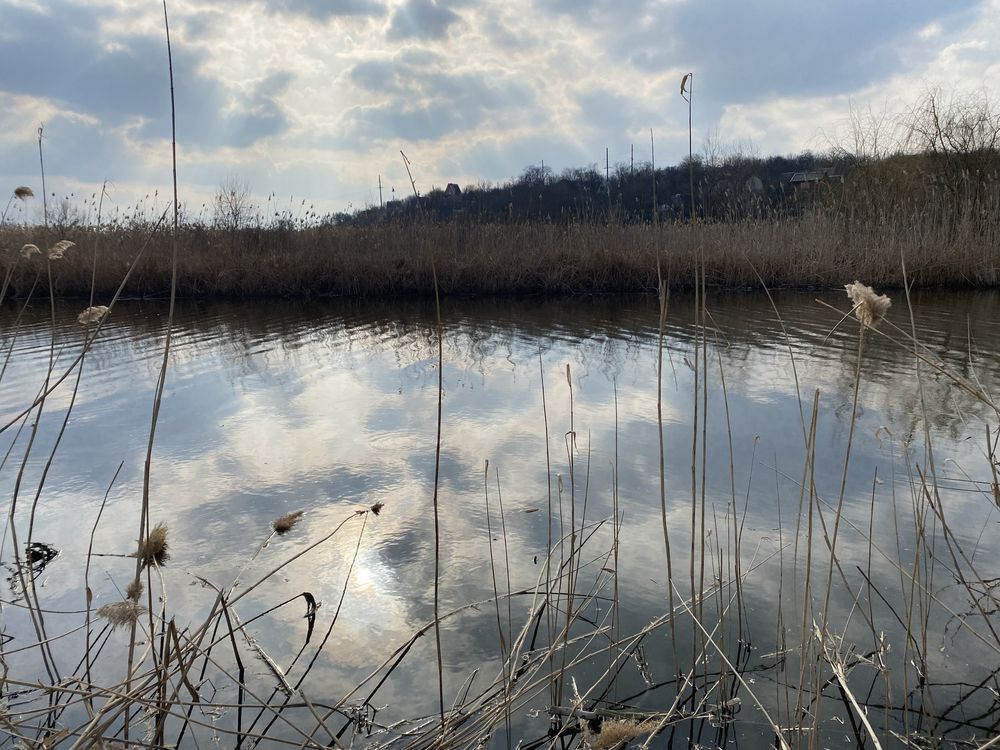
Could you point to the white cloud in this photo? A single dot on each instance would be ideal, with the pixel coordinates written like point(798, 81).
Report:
point(317, 99)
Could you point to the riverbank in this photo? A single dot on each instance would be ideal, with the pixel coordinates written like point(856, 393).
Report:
point(819, 249)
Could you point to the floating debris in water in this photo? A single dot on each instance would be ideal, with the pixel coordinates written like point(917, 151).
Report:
point(92, 314)
point(37, 556)
point(40, 554)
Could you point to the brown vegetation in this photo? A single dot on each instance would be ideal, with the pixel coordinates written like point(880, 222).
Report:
point(957, 245)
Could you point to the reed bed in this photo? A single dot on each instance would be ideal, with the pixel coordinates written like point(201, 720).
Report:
point(820, 248)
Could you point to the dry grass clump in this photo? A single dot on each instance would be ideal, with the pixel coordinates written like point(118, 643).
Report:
point(616, 731)
point(121, 613)
point(134, 590)
point(153, 549)
point(284, 524)
point(92, 314)
point(869, 307)
point(57, 250)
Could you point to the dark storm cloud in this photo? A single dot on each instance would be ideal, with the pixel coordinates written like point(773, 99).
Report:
point(421, 19)
point(60, 56)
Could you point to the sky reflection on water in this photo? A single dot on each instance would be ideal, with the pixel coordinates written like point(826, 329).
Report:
point(330, 407)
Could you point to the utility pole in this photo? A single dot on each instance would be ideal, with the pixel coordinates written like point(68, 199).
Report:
point(380, 205)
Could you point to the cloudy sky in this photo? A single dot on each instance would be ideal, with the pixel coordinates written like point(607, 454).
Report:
point(314, 99)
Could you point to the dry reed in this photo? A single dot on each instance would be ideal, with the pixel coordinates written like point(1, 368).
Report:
point(284, 524)
point(123, 613)
point(815, 250)
point(153, 547)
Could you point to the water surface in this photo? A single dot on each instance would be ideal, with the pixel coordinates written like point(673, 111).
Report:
point(331, 407)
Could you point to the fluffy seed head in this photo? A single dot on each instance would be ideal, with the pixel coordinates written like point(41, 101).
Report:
point(153, 549)
point(23, 192)
point(134, 590)
point(869, 307)
point(121, 613)
point(57, 250)
point(28, 250)
point(284, 524)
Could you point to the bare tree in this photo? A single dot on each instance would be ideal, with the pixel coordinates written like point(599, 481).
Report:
point(232, 207)
point(957, 123)
point(870, 135)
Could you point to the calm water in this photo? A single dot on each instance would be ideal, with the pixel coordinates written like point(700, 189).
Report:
point(331, 407)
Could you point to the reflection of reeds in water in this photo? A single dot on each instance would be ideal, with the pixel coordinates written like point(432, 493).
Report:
point(628, 688)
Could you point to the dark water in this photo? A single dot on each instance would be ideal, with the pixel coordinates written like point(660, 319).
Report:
point(331, 407)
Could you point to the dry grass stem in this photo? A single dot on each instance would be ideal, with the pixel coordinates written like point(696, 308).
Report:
point(869, 307)
point(284, 524)
point(153, 549)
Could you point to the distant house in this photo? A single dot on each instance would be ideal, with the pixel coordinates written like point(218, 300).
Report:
point(453, 190)
point(811, 176)
point(808, 181)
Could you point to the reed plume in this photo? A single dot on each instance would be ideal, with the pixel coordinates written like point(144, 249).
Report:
point(134, 590)
point(284, 524)
point(23, 192)
point(869, 308)
point(57, 250)
point(153, 549)
point(121, 613)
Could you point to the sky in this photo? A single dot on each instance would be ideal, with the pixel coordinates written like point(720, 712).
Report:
point(313, 100)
